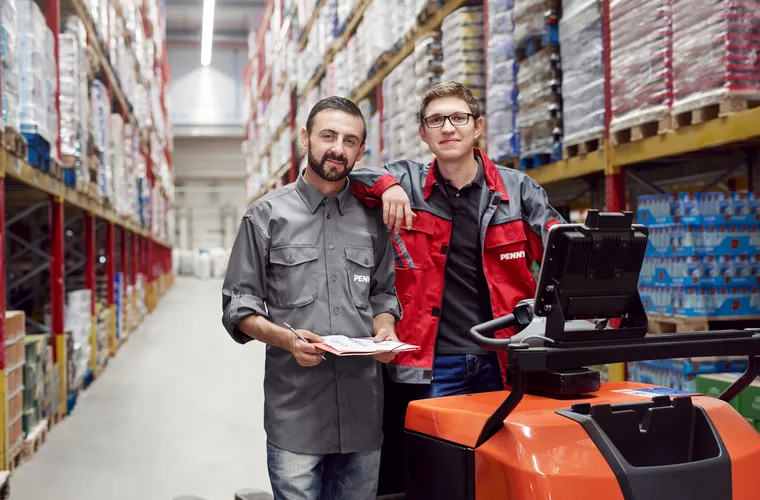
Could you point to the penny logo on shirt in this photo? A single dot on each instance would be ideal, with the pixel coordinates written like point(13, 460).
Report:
point(361, 279)
point(513, 255)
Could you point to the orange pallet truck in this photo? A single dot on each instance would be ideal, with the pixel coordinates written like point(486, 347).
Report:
point(559, 433)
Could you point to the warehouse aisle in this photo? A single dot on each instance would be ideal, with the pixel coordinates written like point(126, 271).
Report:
point(178, 411)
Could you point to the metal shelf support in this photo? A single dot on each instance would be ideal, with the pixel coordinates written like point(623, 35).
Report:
point(89, 280)
point(110, 269)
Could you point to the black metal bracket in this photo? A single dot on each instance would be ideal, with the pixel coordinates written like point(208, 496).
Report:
point(750, 374)
point(496, 421)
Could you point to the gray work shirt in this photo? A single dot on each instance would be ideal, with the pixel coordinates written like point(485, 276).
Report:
point(324, 265)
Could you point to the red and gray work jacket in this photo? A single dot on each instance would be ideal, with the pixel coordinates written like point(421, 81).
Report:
point(515, 217)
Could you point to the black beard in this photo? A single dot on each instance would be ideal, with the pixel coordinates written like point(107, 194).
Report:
point(319, 166)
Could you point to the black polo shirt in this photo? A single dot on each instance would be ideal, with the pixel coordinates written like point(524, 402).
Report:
point(466, 299)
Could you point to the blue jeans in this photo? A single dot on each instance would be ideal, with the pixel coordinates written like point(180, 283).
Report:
point(349, 476)
point(455, 374)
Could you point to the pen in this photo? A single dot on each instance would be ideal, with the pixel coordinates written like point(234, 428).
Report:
point(299, 336)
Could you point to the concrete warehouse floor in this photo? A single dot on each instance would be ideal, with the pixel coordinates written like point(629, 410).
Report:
point(177, 412)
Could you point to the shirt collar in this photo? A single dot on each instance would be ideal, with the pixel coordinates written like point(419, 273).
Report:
point(313, 198)
point(479, 179)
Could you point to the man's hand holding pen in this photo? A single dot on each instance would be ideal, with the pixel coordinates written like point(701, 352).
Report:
point(303, 349)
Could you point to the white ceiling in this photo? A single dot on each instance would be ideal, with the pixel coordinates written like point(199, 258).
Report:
point(233, 19)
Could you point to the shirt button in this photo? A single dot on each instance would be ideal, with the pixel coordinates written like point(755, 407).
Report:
point(331, 246)
point(335, 311)
point(291, 259)
point(366, 261)
point(340, 376)
point(328, 216)
point(333, 278)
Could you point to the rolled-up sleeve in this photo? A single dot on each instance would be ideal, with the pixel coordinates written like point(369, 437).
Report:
point(383, 297)
point(244, 287)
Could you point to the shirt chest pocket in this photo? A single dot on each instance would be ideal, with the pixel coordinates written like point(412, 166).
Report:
point(294, 275)
point(505, 252)
point(359, 264)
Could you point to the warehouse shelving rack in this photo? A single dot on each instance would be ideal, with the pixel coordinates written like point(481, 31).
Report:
point(602, 174)
point(70, 234)
point(737, 130)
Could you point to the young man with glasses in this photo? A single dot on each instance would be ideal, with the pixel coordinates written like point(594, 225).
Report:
point(465, 234)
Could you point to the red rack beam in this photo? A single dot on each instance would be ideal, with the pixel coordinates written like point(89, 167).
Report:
point(134, 258)
point(89, 281)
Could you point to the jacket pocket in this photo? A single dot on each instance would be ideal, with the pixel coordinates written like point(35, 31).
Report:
point(294, 273)
point(506, 253)
point(359, 264)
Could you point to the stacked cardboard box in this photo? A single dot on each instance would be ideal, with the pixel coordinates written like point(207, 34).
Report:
point(34, 380)
point(15, 359)
point(747, 403)
point(682, 374)
point(78, 321)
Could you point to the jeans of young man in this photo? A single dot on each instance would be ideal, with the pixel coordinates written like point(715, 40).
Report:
point(452, 375)
point(349, 476)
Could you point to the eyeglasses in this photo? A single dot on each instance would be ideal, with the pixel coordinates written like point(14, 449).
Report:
point(456, 119)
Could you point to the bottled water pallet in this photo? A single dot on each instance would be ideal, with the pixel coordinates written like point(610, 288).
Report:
point(709, 108)
point(664, 323)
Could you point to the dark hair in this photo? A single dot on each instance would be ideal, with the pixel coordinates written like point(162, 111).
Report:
point(339, 103)
point(450, 89)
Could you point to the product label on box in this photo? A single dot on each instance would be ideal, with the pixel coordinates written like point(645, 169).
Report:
point(654, 391)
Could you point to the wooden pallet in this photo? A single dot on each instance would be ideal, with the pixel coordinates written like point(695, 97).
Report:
point(661, 323)
point(427, 12)
point(15, 143)
point(92, 191)
point(5, 485)
point(16, 458)
point(726, 106)
point(54, 418)
point(34, 441)
point(635, 133)
point(582, 148)
point(69, 161)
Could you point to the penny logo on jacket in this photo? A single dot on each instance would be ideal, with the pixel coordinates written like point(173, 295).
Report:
point(512, 255)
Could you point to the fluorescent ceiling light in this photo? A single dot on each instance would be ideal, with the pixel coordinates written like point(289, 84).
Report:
point(207, 31)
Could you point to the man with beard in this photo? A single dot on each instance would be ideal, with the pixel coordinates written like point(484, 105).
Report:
point(312, 256)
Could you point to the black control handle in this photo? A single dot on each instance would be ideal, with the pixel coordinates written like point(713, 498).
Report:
point(477, 332)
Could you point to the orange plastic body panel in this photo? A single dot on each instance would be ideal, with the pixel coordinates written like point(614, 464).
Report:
point(540, 454)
